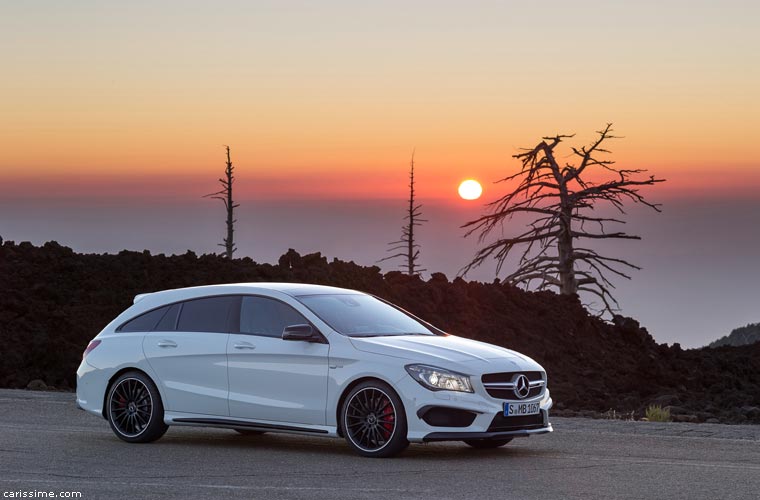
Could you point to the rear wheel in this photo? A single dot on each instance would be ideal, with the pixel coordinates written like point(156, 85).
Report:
point(373, 420)
point(487, 444)
point(135, 410)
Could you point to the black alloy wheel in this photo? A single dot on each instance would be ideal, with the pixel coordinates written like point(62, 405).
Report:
point(373, 420)
point(135, 410)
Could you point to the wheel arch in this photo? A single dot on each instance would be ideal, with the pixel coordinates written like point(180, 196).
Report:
point(349, 388)
point(113, 379)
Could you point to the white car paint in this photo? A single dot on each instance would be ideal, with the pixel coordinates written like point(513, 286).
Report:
point(293, 385)
point(277, 380)
point(192, 369)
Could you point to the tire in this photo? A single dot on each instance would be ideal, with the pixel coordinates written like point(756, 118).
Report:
point(134, 409)
point(487, 444)
point(249, 432)
point(373, 420)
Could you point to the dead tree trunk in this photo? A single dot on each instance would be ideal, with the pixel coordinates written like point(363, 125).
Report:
point(411, 255)
point(225, 195)
point(566, 265)
point(407, 247)
point(561, 201)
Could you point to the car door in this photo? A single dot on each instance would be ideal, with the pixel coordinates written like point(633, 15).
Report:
point(188, 352)
point(271, 378)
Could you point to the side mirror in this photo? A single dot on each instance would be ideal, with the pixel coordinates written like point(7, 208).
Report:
point(298, 332)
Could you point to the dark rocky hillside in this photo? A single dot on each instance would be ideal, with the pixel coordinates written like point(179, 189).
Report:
point(54, 301)
point(744, 335)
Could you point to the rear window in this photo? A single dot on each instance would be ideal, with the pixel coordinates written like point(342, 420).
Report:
point(145, 322)
point(169, 322)
point(211, 314)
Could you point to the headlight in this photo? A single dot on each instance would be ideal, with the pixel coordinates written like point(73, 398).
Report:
point(438, 379)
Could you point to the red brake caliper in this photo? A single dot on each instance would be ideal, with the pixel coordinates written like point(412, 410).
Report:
point(390, 417)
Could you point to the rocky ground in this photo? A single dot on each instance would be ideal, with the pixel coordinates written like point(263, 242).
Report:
point(54, 300)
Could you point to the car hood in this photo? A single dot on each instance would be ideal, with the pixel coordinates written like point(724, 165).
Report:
point(447, 352)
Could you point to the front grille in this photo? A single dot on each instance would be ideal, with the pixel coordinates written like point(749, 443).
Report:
point(502, 423)
point(491, 382)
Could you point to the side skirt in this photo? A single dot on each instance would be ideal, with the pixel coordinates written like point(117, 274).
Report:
point(229, 423)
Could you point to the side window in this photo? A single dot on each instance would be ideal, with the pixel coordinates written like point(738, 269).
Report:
point(144, 322)
point(212, 314)
point(169, 322)
point(267, 317)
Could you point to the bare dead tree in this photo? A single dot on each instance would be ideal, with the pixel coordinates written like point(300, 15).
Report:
point(560, 202)
point(225, 195)
point(407, 247)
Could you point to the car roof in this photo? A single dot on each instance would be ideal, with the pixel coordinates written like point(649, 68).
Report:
point(292, 289)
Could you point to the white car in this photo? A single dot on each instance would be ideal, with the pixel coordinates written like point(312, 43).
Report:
point(308, 359)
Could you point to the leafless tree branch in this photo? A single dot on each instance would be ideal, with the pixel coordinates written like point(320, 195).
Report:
point(559, 199)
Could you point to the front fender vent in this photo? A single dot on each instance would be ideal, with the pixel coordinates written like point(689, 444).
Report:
point(441, 416)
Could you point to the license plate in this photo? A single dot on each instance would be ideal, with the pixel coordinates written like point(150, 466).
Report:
point(515, 409)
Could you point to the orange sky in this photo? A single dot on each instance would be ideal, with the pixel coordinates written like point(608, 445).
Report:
point(327, 100)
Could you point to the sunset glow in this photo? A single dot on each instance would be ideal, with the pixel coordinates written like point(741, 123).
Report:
point(106, 95)
point(115, 116)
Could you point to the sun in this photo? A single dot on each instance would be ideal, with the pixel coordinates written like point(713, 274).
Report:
point(470, 189)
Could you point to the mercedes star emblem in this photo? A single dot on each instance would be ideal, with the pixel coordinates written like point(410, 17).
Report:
point(522, 386)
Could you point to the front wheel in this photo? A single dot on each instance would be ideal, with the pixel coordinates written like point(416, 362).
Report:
point(487, 444)
point(373, 420)
point(135, 410)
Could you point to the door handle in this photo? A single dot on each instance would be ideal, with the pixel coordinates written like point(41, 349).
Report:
point(166, 343)
point(244, 345)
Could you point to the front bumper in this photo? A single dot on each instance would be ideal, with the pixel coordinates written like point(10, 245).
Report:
point(461, 436)
point(486, 421)
point(501, 427)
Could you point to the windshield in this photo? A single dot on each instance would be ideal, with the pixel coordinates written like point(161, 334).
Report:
point(358, 315)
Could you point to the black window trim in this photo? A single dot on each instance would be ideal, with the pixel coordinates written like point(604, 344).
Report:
point(181, 303)
point(179, 313)
point(119, 328)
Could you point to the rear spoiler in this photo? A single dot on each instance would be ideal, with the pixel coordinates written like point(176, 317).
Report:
point(139, 297)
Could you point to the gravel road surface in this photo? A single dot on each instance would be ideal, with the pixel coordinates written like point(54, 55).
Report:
point(47, 444)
